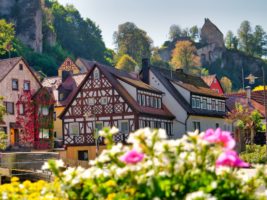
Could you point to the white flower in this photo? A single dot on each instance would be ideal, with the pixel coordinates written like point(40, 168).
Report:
point(162, 134)
point(114, 130)
point(45, 166)
point(199, 195)
point(59, 163)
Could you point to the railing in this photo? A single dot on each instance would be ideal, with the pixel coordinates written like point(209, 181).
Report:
point(76, 163)
point(26, 160)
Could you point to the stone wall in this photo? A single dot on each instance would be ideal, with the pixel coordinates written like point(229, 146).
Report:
point(27, 17)
point(210, 34)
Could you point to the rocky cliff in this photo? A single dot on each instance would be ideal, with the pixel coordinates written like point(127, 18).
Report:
point(27, 16)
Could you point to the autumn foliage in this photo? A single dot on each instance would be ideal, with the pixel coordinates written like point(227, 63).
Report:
point(184, 56)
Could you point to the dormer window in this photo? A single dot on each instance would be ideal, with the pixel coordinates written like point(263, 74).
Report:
point(96, 74)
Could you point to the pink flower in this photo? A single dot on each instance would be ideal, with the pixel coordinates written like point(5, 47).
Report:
point(132, 157)
point(231, 159)
point(221, 137)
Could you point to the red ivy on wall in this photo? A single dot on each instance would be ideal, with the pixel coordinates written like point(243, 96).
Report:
point(31, 119)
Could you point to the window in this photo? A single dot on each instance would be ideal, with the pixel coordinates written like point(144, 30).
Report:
point(21, 109)
point(204, 103)
point(194, 103)
point(213, 104)
point(98, 126)
point(74, 128)
point(96, 73)
point(155, 102)
point(90, 101)
point(15, 84)
point(83, 155)
point(159, 103)
point(9, 107)
point(55, 116)
point(139, 99)
point(223, 106)
point(26, 86)
point(104, 100)
point(44, 133)
point(44, 110)
point(196, 126)
point(197, 103)
point(124, 127)
point(143, 100)
point(147, 101)
point(61, 96)
point(168, 128)
point(20, 67)
point(151, 101)
point(217, 125)
point(157, 124)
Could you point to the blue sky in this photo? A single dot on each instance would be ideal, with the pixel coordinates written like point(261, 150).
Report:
point(156, 16)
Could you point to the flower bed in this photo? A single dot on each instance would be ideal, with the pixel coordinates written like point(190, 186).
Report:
point(197, 166)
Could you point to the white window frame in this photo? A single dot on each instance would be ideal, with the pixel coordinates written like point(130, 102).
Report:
point(44, 133)
point(195, 127)
point(104, 100)
point(75, 125)
point(120, 126)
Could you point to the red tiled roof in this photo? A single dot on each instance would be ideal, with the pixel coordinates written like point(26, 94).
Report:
point(6, 65)
point(199, 89)
point(256, 102)
point(208, 79)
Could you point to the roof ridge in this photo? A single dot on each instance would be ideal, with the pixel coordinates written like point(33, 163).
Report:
point(18, 57)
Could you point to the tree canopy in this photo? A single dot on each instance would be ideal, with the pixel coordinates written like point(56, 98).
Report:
point(184, 56)
point(226, 84)
point(7, 35)
point(131, 40)
point(126, 63)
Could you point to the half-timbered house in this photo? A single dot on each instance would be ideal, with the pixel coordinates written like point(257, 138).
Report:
point(109, 97)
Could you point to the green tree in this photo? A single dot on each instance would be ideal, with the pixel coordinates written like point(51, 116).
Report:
point(81, 37)
point(175, 32)
point(259, 41)
point(226, 84)
point(245, 37)
point(184, 56)
point(7, 35)
point(126, 63)
point(131, 40)
point(194, 32)
point(231, 41)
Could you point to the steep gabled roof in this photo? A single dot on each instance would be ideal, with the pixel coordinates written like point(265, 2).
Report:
point(111, 74)
point(70, 62)
point(6, 66)
point(191, 83)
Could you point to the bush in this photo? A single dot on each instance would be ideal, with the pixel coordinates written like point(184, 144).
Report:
point(254, 154)
point(197, 166)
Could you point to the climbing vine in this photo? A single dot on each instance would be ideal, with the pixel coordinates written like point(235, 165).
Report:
point(33, 120)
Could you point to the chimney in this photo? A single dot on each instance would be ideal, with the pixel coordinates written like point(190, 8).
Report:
point(248, 91)
point(180, 70)
point(65, 75)
point(145, 70)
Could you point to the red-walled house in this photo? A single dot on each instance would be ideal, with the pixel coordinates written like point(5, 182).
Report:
point(213, 82)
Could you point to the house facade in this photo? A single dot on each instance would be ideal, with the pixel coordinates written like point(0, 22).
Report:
point(63, 86)
point(213, 82)
point(109, 97)
point(18, 83)
point(193, 103)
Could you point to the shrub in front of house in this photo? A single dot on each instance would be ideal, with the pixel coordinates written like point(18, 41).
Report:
point(197, 166)
point(255, 154)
